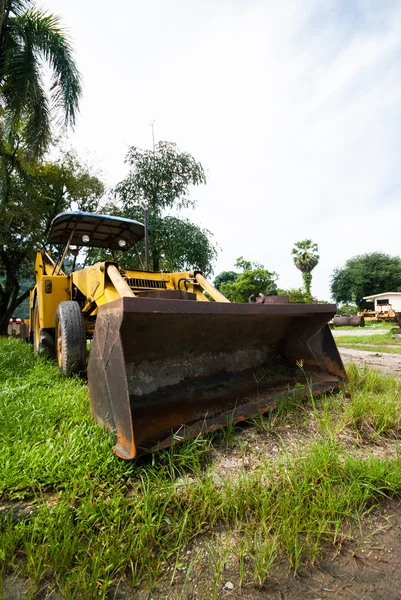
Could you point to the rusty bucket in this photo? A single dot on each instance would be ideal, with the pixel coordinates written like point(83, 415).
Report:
point(163, 370)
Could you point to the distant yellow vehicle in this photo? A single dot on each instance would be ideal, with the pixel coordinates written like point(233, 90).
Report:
point(171, 357)
point(385, 313)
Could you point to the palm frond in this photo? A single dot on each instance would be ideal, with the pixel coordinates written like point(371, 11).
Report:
point(50, 40)
point(37, 130)
point(18, 7)
point(26, 103)
point(28, 38)
point(17, 69)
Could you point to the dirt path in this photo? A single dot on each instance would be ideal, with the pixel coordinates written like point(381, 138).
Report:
point(384, 361)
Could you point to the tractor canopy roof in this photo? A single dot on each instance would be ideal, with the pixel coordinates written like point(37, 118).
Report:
point(96, 231)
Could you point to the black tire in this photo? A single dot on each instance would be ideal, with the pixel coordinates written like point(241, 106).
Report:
point(70, 338)
point(43, 340)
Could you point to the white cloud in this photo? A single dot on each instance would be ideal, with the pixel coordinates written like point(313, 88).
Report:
point(293, 108)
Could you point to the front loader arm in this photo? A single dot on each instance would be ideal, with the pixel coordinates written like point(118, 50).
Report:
point(210, 289)
point(104, 282)
point(119, 283)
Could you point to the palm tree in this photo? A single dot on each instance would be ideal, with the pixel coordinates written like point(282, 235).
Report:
point(29, 39)
point(306, 258)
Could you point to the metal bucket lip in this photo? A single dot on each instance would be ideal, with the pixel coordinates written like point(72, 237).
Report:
point(165, 305)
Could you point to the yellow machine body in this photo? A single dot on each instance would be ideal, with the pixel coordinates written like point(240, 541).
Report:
point(94, 287)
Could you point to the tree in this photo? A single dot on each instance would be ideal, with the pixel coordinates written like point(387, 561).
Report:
point(254, 279)
point(33, 200)
point(175, 244)
point(347, 310)
point(225, 277)
point(29, 40)
point(180, 245)
point(65, 183)
point(160, 180)
point(32, 48)
point(365, 275)
point(306, 258)
point(296, 295)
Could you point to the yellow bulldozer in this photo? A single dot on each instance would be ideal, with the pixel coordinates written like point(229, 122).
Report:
point(170, 356)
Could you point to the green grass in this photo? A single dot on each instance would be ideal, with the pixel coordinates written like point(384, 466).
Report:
point(374, 408)
point(372, 348)
point(368, 325)
point(380, 338)
point(369, 408)
point(97, 519)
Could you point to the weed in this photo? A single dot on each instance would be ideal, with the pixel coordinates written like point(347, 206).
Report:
point(382, 339)
point(366, 348)
point(264, 548)
point(218, 559)
point(187, 575)
point(98, 518)
point(374, 406)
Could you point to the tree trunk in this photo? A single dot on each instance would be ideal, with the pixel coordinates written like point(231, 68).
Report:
point(307, 277)
point(5, 316)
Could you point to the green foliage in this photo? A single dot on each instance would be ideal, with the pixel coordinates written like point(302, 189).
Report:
point(306, 258)
point(32, 48)
point(175, 244)
point(160, 180)
point(253, 280)
point(180, 245)
point(224, 277)
point(246, 265)
point(306, 255)
point(22, 311)
point(365, 275)
point(33, 199)
point(296, 295)
point(347, 310)
point(30, 43)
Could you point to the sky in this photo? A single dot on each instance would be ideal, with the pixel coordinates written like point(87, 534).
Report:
point(293, 107)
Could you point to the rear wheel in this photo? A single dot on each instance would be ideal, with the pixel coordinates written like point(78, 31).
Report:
point(70, 338)
point(43, 340)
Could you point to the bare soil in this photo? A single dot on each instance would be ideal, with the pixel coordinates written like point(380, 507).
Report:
point(384, 361)
point(367, 568)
